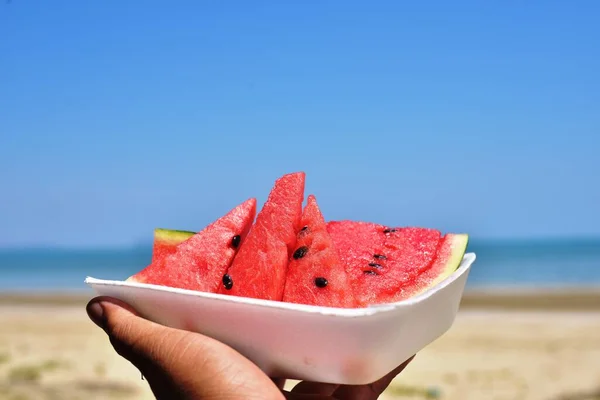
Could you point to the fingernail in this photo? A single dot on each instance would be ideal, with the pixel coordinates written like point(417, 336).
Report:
point(96, 313)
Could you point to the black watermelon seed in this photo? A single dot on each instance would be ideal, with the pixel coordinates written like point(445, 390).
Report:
point(379, 256)
point(300, 252)
point(389, 230)
point(369, 272)
point(321, 282)
point(227, 281)
point(375, 265)
point(305, 227)
point(235, 241)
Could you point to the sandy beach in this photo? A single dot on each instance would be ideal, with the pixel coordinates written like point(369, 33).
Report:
point(497, 349)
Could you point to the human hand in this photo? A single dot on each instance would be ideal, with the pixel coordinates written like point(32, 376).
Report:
point(184, 365)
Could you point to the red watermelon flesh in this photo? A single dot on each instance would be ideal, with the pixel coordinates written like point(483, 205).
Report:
point(259, 268)
point(391, 264)
point(200, 262)
point(166, 241)
point(315, 275)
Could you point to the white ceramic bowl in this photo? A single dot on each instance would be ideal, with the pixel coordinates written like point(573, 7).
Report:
point(344, 346)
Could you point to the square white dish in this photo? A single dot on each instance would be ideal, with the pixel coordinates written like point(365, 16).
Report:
point(333, 345)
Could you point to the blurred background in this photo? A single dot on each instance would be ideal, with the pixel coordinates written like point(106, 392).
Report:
point(120, 117)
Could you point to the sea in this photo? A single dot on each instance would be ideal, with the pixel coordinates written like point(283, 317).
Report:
point(554, 263)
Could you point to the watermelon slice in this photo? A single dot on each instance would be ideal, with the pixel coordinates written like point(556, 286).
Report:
point(293, 255)
point(166, 241)
point(386, 265)
point(199, 262)
point(315, 275)
point(448, 258)
point(259, 268)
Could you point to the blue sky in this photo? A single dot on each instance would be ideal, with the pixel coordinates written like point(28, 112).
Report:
point(118, 117)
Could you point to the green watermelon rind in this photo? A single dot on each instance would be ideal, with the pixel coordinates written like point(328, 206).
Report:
point(172, 235)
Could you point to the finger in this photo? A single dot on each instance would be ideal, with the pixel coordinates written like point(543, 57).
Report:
point(139, 340)
point(380, 385)
point(126, 333)
point(150, 347)
point(306, 387)
point(371, 391)
point(178, 364)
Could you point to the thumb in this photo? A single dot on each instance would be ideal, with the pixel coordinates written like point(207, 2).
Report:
point(138, 340)
point(179, 364)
